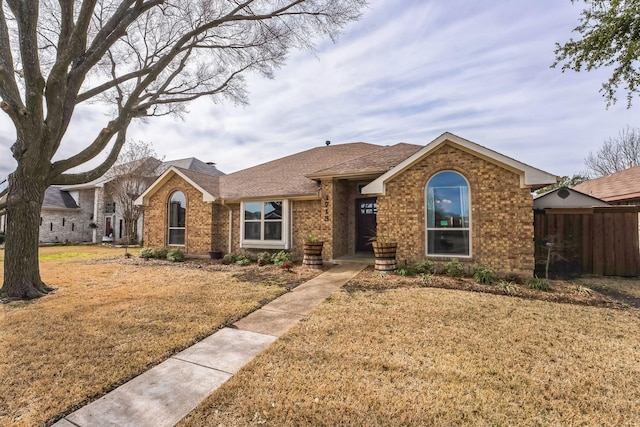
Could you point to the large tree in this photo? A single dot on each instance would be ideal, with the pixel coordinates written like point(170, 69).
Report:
point(615, 154)
point(609, 37)
point(143, 57)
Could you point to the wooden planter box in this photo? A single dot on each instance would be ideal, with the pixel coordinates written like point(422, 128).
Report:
point(385, 254)
point(312, 254)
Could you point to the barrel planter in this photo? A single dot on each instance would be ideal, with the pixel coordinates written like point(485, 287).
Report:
point(385, 254)
point(312, 255)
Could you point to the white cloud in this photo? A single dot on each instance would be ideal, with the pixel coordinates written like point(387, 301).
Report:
point(407, 71)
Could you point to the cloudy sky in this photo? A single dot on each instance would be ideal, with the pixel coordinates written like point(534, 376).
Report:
point(408, 71)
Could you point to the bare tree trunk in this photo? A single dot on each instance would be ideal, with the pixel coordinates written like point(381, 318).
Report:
point(21, 270)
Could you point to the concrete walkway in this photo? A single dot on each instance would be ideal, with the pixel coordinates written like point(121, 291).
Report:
point(165, 394)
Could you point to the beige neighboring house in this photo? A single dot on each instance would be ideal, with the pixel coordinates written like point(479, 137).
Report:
point(452, 198)
point(85, 213)
point(620, 188)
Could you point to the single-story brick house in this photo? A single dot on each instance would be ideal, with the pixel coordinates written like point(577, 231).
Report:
point(449, 199)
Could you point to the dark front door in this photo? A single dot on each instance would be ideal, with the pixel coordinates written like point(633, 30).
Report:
point(366, 211)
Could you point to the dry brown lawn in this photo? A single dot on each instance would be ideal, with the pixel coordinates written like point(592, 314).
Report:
point(388, 352)
point(110, 320)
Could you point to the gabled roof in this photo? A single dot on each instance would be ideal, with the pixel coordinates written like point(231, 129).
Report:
point(56, 198)
point(286, 177)
point(565, 197)
point(208, 185)
point(370, 165)
point(154, 168)
point(193, 164)
point(530, 177)
point(615, 187)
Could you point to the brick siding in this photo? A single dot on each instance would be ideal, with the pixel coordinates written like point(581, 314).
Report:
point(501, 212)
point(199, 217)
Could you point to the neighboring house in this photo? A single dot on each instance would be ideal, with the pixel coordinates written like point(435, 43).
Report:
point(620, 188)
point(88, 212)
point(449, 199)
point(565, 197)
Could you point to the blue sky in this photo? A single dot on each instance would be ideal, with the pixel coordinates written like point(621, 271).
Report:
point(406, 72)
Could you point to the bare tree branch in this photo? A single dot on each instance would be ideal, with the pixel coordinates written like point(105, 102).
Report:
point(615, 154)
point(98, 171)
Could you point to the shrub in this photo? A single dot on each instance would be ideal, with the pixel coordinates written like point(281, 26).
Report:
point(453, 268)
point(264, 258)
point(160, 253)
point(484, 274)
point(584, 291)
point(147, 253)
point(507, 287)
point(244, 259)
point(426, 278)
point(425, 267)
point(405, 270)
point(175, 255)
point(229, 259)
point(539, 284)
point(281, 257)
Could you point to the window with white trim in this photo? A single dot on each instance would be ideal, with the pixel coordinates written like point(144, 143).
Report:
point(448, 221)
point(264, 223)
point(177, 218)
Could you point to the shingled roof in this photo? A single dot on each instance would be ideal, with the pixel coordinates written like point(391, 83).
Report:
point(193, 164)
point(370, 165)
point(56, 198)
point(287, 176)
point(619, 186)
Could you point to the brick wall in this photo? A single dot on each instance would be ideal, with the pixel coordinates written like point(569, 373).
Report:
point(307, 220)
point(68, 225)
point(199, 217)
point(501, 212)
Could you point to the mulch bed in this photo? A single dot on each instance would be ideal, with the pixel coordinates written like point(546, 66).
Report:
point(370, 280)
point(561, 291)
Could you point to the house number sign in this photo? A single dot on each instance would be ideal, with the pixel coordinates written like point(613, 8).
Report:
point(326, 207)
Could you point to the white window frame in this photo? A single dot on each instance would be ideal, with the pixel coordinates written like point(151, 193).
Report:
point(283, 243)
point(426, 219)
point(169, 227)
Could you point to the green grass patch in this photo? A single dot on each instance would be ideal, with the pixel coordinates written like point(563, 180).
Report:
point(63, 255)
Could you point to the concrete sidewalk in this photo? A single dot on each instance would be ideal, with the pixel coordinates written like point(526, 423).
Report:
point(165, 394)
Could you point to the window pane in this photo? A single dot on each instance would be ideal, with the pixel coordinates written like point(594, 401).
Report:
point(273, 230)
point(176, 236)
point(273, 210)
point(449, 210)
point(448, 242)
point(447, 199)
point(177, 210)
point(447, 179)
point(252, 230)
point(252, 211)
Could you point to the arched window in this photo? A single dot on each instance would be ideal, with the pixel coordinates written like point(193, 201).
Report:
point(177, 215)
point(448, 224)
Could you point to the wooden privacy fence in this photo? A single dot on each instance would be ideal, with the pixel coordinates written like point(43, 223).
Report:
point(601, 240)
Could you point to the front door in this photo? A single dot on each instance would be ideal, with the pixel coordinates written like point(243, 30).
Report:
point(366, 211)
point(107, 226)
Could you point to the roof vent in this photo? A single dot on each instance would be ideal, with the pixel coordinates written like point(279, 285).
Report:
point(211, 163)
point(327, 143)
